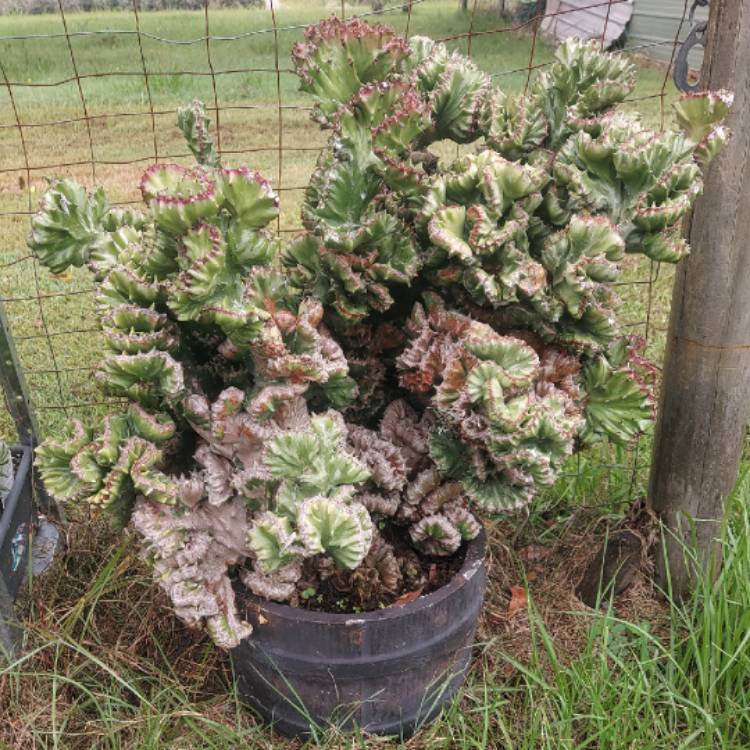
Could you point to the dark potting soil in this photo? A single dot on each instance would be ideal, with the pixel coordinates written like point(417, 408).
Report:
point(421, 575)
point(351, 592)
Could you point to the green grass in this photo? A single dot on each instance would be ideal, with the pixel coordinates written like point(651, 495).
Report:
point(107, 666)
point(687, 686)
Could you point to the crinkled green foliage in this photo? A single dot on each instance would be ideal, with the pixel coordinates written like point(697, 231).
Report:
point(337, 58)
point(339, 529)
point(527, 233)
point(194, 123)
point(111, 464)
point(617, 407)
point(461, 316)
point(355, 251)
point(454, 87)
point(311, 509)
point(313, 462)
point(68, 225)
point(508, 428)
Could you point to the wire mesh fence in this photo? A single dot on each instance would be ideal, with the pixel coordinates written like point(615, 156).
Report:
point(93, 96)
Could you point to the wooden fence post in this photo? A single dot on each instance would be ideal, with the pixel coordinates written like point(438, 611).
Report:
point(705, 394)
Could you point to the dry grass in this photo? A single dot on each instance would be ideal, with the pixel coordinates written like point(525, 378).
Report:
point(547, 576)
point(104, 650)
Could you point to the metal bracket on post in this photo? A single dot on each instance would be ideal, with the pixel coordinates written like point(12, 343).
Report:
point(696, 38)
point(19, 405)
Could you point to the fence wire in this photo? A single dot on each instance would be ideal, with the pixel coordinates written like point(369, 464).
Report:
point(64, 111)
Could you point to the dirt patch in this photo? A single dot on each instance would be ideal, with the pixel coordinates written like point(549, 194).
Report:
point(545, 577)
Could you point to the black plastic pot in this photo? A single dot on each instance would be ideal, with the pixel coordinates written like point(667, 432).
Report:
point(16, 523)
point(388, 672)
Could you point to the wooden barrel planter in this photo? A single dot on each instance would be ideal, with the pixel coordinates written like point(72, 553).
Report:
point(388, 671)
point(16, 523)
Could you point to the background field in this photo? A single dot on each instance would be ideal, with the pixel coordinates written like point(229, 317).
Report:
point(108, 665)
point(263, 122)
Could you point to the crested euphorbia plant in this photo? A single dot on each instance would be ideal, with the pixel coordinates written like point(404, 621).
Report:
point(438, 341)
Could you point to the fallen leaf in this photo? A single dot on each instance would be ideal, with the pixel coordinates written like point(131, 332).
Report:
point(408, 597)
point(517, 600)
point(534, 552)
point(531, 576)
point(262, 620)
point(508, 670)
